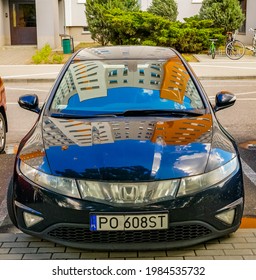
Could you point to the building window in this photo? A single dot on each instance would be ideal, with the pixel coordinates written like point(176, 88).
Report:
point(85, 30)
point(242, 29)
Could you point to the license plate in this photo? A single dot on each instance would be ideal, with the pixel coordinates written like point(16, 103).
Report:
point(128, 222)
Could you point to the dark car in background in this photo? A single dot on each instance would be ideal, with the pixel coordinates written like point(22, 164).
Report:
point(127, 153)
point(3, 118)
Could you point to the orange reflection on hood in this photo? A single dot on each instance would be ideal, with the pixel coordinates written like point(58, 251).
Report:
point(183, 131)
point(31, 155)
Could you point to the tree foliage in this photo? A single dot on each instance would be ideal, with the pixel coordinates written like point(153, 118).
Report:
point(96, 10)
point(164, 8)
point(143, 28)
point(226, 14)
point(122, 23)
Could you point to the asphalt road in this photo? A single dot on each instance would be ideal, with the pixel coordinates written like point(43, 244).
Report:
point(239, 120)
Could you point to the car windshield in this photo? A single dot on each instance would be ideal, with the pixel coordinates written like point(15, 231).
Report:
point(115, 86)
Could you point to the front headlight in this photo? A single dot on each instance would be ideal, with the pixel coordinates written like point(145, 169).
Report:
point(60, 185)
point(194, 184)
point(129, 193)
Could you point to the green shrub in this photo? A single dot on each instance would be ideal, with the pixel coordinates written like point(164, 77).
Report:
point(42, 56)
point(57, 58)
point(133, 28)
point(45, 56)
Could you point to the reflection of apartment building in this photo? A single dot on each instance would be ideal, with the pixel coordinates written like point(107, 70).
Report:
point(184, 131)
point(92, 79)
point(63, 133)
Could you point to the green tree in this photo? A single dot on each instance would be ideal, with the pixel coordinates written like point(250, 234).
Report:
point(164, 8)
point(96, 10)
point(226, 14)
point(143, 28)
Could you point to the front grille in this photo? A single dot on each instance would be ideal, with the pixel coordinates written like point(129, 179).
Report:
point(175, 233)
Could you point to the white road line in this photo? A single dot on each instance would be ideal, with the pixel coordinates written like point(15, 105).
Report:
point(238, 94)
point(30, 75)
point(246, 99)
point(222, 62)
point(249, 172)
point(238, 99)
point(16, 103)
point(3, 210)
point(228, 67)
point(245, 93)
point(26, 89)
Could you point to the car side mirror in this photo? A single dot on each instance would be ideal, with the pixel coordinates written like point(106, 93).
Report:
point(29, 102)
point(224, 99)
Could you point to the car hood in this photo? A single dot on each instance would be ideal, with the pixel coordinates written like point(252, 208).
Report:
point(129, 149)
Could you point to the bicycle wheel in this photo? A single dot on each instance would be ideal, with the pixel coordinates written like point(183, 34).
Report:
point(254, 46)
point(235, 50)
point(213, 53)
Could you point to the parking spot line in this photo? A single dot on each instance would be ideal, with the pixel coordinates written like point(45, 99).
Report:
point(249, 172)
point(3, 210)
point(16, 103)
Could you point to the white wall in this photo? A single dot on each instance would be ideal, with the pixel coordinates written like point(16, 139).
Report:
point(47, 13)
point(250, 22)
point(75, 13)
point(5, 38)
point(1, 24)
point(188, 8)
point(144, 4)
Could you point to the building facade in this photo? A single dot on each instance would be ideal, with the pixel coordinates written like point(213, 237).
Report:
point(37, 22)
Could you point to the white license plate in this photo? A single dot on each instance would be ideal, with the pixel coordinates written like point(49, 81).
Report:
point(129, 222)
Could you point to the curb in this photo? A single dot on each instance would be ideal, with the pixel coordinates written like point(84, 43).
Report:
point(227, 78)
point(248, 222)
point(30, 80)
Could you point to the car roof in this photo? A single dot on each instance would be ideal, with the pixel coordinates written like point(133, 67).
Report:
point(125, 53)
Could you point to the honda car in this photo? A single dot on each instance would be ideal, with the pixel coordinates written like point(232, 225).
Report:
point(127, 154)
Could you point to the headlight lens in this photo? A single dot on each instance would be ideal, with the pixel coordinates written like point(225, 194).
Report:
point(194, 184)
point(146, 192)
point(129, 193)
point(61, 185)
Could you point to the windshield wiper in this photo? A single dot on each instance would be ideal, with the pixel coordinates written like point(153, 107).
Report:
point(160, 112)
point(73, 116)
point(133, 113)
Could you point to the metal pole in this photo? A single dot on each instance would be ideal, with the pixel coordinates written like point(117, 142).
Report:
point(64, 9)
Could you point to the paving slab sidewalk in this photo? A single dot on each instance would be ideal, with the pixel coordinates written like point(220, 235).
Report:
point(237, 246)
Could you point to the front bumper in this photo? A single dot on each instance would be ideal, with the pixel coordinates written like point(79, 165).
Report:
point(191, 219)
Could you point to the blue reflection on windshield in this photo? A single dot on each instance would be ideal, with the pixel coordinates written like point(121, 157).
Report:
point(125, 98)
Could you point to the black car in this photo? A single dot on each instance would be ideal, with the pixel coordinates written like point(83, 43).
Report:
point(127, 153)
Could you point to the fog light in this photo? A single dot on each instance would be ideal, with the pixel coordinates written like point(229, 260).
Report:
point(227, 216)
point(31, 219)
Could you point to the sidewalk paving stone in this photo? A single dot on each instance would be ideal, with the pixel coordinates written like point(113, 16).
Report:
point(21, 246)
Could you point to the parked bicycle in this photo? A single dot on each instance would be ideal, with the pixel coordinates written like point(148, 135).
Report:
point(212, 49)
point(253, 48)
point(235, 49)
